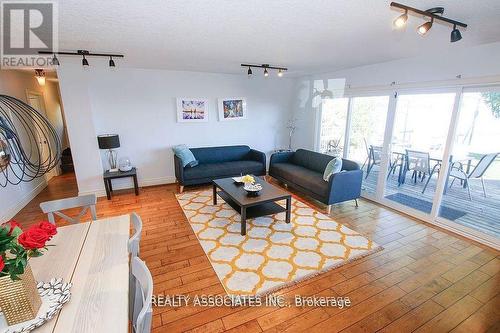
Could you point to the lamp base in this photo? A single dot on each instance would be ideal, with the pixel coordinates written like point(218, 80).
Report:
point(113, 170)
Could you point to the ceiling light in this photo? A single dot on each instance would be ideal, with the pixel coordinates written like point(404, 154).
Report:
point(84, 54)
point(424, 28)
point(455, 35)
point(40, 76)
point(55, 61)
point(266, 67)
point(434, 14)
point(401, 20)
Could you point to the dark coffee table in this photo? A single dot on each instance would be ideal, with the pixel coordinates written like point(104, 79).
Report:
point(252, 207)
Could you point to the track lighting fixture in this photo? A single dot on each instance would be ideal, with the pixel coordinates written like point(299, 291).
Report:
point(455, 35)
point(40, 76)
point(84, 54)
point(267, 67)
point(435, 14)
point(424, 28)
point(55, 61)
point(400, 21)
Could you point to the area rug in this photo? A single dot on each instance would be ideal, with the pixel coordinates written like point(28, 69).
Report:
point(425, 206)
point(273, 254)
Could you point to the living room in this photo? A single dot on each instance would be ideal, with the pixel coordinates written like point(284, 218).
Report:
point(253, 167)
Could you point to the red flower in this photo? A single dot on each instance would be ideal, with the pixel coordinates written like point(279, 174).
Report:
point(2, 264)
point(33, 238)
point(48, 227)
point(11, 225)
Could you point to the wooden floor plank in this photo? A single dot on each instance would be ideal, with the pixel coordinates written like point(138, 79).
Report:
point(425, 277)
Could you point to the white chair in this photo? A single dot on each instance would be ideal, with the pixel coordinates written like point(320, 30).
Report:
point(54, 207)
point(135, 240)
point(143, 291)
point(457, 172)
point(133, 249)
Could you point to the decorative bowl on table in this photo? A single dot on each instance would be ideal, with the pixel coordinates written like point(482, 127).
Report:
point(252, 189)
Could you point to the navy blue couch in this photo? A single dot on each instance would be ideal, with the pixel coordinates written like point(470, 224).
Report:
point(220, 162)
point(304, 170)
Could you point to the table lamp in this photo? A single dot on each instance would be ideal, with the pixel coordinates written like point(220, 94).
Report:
point(110, 142)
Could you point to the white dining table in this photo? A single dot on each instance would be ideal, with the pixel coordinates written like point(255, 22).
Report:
point(94, 257)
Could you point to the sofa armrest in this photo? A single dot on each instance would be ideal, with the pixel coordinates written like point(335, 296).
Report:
point(179, 169)
point(345, 186)
point(258, 156)
point(281, 157)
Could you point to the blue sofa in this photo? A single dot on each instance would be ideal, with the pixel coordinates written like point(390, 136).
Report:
point(220, 162)
point(304, 170)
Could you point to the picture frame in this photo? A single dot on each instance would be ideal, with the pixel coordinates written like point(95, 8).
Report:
point(192, 110)
point(232, 108)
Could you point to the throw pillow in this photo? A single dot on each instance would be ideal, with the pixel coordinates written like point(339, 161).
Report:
point(186, 156)
point(334, 166)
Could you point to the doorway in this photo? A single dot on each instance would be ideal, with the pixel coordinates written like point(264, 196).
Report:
point(36, 101)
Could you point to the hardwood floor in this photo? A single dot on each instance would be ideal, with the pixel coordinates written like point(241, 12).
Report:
point(425, 280)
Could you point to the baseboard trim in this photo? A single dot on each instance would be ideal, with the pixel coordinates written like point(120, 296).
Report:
point(13, 210)
point(142, 183)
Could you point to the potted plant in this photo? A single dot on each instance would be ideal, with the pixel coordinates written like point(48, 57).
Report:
point(19, 298)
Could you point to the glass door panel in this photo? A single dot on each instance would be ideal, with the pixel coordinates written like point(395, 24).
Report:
point(333, 125)
point(472, 195)
point(421, 126)
point(366, 136)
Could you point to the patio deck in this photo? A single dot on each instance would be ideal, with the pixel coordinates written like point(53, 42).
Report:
point(481, 213)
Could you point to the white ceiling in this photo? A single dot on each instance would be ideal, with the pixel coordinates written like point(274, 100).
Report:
point(308, 36)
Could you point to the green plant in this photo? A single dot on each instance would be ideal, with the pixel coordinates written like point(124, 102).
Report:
point(493, 100)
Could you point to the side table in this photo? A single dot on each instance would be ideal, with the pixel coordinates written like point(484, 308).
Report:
point(108, 176)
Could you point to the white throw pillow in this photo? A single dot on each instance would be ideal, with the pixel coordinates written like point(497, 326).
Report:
point(334, 166)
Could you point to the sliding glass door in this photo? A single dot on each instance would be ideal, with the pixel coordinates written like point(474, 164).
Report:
point(333, 125)
point(472, 194)
point(434, 154)
point(366, 136)
point(420, 129)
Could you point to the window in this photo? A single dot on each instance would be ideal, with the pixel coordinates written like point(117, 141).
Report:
point(419, 135)
point(366, 136)
point(333, 124)
point(472, 195)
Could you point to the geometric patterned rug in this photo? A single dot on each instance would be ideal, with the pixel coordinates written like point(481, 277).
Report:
point(273, 254)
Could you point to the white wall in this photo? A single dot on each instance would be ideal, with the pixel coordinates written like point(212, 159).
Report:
point(140, 106)
point(475, 62)
point(15, 84)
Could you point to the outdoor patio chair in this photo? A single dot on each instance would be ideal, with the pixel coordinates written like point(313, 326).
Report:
point(374, 158)
point(420, 163)
point(457, 172)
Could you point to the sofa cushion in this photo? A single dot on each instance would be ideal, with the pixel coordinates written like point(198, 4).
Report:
point(311, 160)
point(222, 170)
point(306, 178)
point(221, 154)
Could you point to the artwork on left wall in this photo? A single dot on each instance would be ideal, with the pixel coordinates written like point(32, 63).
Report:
point(232, 108)
point(192, 110)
